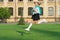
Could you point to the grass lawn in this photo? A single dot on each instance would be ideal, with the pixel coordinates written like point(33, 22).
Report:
point(38, 32)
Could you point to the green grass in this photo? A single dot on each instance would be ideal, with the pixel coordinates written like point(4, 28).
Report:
point(38, 32)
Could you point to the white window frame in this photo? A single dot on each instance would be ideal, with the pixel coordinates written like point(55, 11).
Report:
point(59, 11)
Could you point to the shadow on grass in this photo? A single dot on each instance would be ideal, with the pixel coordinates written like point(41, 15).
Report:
point(22, 33)
point(49, 33)
point(8, 38)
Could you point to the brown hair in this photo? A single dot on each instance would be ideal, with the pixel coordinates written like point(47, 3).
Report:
point(37, 3)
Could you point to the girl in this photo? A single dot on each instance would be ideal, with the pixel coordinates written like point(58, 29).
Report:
point(36, 12)
point(36, 15)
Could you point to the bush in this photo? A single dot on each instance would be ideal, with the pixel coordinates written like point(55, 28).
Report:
point(21, 21)
point(4, 14)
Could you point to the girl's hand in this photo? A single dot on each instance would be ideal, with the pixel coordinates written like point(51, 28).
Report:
point(35, 10)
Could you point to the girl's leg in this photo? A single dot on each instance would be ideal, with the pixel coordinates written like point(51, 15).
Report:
point(36, 21)
point(30, 25)
point(41, 21)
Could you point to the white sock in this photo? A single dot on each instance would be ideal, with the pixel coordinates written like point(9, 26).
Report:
point(41, 21)
point(30, 26)
point(44, 20)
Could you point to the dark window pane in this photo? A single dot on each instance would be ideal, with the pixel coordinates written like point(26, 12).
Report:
point(30, 0)
point(30, 11)
point(10, 0)
point(20, 11)
point(1, 0)
point(20, 0)
point(11, 11)
point(40, 0)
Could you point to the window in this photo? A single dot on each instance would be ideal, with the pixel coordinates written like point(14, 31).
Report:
point(50, 11)
point(30, 11)
point(59, 11)
point(20, 0)
point(20, 11)
point(10, 0)
point(11, 11)
point(30, 0)
point(50, 0)
point(1, 0)
point(40, 0)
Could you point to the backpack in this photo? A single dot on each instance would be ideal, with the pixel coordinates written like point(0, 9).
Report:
point(41, 11)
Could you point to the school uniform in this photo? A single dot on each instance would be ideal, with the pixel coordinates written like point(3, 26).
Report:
point(36, 15)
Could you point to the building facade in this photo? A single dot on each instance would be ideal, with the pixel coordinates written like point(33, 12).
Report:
point(51, 9)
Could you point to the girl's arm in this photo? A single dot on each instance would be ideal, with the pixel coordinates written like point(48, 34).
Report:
point(36, 10)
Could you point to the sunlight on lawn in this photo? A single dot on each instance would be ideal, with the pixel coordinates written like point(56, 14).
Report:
point(37, 32)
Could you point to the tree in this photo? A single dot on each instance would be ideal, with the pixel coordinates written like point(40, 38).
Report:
point(21, 21)
point(4, 14)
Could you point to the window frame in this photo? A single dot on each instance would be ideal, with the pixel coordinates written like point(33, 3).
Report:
point(12, 10)
point(51, 11)
point(20, 11)
point(29, 14)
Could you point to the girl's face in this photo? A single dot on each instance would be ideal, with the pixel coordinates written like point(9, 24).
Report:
point(36, 3)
